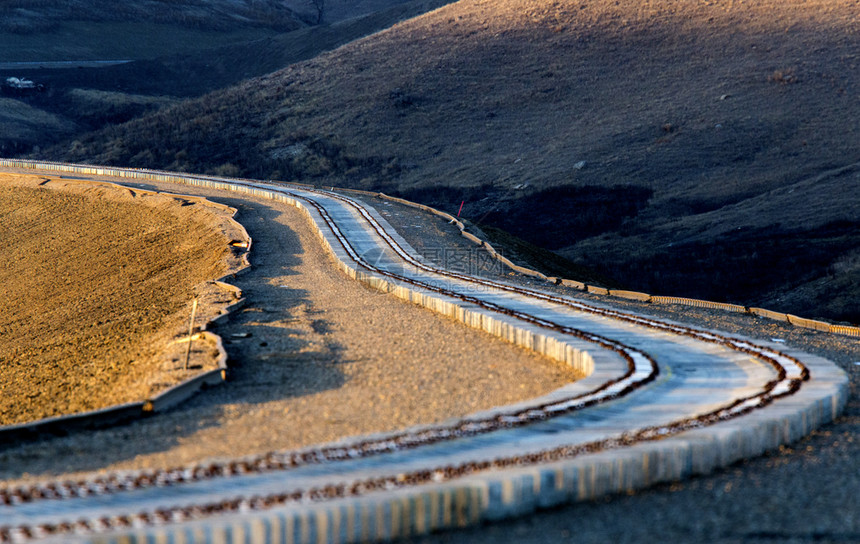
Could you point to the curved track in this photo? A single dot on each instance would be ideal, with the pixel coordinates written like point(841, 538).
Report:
point(662, 401)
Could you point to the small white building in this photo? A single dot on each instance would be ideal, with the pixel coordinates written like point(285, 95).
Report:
point(20, 83)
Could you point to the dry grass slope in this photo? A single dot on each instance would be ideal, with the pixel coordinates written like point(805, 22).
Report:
point(90, 282)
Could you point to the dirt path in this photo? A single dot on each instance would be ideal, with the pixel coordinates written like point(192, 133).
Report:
point(95, 282)
point(314, 357)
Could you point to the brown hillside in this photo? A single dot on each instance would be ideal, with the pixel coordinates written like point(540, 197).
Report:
point(707, 149)
point(185, 59)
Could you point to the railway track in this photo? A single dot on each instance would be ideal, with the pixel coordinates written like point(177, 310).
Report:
point(658, 392)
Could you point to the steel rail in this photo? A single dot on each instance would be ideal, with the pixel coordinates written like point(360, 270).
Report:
point(637, 360)
point(790, 374)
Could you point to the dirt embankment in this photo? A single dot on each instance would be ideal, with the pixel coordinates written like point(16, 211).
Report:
point(96, 281)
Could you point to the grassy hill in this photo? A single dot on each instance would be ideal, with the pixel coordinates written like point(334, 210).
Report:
point(170, 59)
point(708, 149)
point(97, 30)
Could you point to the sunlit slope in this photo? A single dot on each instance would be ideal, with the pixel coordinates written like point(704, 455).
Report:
point(683, 148)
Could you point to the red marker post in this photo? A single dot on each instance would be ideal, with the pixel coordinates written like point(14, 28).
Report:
point(461, 208)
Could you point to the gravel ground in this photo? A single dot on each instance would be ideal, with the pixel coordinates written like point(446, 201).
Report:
point(806, 492)
point(314, 357)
